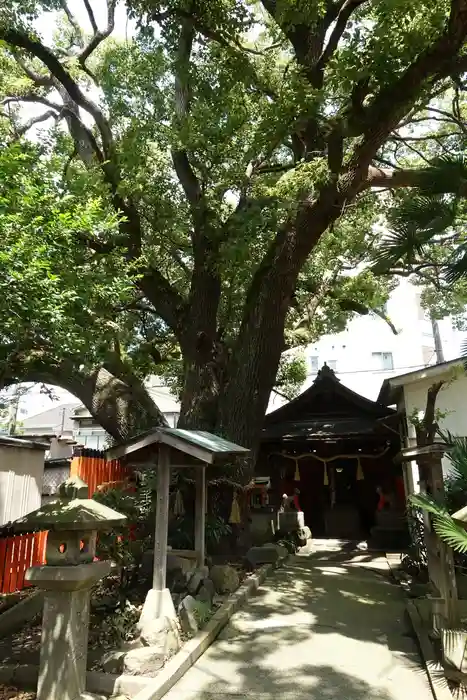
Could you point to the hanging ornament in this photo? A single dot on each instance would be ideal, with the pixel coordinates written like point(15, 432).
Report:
point(326, 480)
point(360, 474)
point(179, 508)
point(297, 471)
point(235, 517)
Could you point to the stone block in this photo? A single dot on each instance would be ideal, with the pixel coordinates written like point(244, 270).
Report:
point(225, 578)
point(143, 662)
point(112, 662)
point(187, 615)
point(174, 563)
point(207, 592)
point(268, 554)
point(161, 634)
point(281, 550)
point(132, 644)
point(196, 579)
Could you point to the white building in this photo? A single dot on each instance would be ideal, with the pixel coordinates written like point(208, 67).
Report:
point(368, 351)
point(71, 423)
point(408, 393)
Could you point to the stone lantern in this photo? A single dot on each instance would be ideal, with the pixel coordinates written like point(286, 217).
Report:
point(72, 521)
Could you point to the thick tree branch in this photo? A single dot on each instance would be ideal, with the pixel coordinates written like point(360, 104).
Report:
point(38, 79)
point(182, 165)
point(384, 178)
point(92, 19)
point(35, 98)
point(99, 35)
point(21, 39)
point(347, 8)
point(390, 105)
point(24, 128)
point(73, 22)
point(307, 40)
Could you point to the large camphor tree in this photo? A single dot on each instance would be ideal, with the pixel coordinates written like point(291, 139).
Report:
point(207, 183)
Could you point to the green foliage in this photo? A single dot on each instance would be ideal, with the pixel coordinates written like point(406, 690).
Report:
point(202, 612)
point(445, 527)
point(181, 531)
point(455, 482)
point(61, 295)
point(455, 496)
point(138, 506)
point(214, 157)
point(291, 374)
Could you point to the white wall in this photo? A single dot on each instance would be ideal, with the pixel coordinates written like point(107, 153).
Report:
point(452, 399)
point(21, 473)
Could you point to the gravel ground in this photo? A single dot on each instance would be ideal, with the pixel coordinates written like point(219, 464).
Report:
point(9, 693)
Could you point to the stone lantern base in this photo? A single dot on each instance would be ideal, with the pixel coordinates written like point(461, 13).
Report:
point(65, 623)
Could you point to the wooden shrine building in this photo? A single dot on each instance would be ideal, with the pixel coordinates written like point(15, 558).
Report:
point(337, 449)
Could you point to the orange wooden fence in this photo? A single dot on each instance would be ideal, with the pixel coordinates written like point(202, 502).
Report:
point(18, 553)
point(92, 467)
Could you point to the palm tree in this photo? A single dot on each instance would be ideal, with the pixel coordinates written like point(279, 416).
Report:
point(422, 239)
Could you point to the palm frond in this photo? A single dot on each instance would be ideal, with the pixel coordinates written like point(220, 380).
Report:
point(401, 244)
point(451, 533)
point(426, 503)
point(456, 269)
point(445, 527)
point(428, 214)
point(447, 174)
point(457, 454)
point(414, 222)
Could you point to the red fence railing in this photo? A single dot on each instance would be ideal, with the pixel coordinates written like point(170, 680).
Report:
point(17, 554)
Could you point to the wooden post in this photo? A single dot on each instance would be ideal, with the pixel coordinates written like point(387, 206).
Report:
point(440, 558)
point(200, 511)
point(162, 519)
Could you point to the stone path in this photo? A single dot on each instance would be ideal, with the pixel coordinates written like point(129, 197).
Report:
point(328, 625)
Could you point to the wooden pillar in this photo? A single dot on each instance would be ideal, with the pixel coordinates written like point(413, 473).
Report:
point(200, 512)
point(441, 568)
point(162, 519)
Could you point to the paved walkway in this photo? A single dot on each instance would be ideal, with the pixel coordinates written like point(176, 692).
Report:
point(328, 625)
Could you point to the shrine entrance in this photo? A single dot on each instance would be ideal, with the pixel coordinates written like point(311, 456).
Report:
point(337, 448)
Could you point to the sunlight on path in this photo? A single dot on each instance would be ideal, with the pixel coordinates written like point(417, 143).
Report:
point(328, 625)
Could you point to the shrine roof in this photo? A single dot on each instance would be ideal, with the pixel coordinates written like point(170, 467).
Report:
point(328, 408)
point(197, 444)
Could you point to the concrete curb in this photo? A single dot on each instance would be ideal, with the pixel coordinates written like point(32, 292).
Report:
point(26, 676)
point(434, 669)
point(193, 649)
point(26, 609)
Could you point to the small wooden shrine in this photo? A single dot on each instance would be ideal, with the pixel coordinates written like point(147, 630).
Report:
point(337, 449)
point(166, 449)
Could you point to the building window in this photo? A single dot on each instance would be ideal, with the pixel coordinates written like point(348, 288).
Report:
point(332, 364)
point(383, 360)
point(314, 363)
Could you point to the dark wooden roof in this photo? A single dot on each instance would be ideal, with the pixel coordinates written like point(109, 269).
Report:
point(328, 408)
